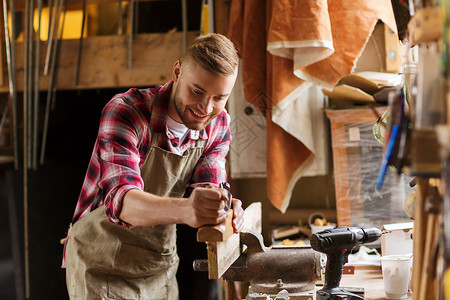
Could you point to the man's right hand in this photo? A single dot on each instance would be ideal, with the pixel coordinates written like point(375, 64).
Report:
point(207, 207)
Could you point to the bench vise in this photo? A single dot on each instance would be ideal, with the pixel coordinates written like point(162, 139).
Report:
point(273, 271)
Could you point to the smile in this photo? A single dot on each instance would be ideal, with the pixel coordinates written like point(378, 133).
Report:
point(197, 115)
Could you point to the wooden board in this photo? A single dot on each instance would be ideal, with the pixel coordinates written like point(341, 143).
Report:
point(221, 255)
point(104, 62)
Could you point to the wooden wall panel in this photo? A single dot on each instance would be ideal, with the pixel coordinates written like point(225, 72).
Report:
point(104, 62)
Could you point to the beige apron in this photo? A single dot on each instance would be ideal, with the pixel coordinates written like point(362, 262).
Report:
point(107, 261)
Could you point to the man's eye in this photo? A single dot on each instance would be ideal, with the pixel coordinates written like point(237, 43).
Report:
point(197, 92)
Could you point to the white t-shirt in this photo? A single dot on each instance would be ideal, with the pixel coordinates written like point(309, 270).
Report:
point(177, 129)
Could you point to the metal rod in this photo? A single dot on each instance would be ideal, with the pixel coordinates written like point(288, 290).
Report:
point(50, 7)
point(51, 36)
point(12, 55)
point(80, 45)
point(185, 22)
point(36, 85)
point(120, 29)
point(25, 154)
point(30, 82)
point(130, 34)
point(51, 84)
point(11, 81)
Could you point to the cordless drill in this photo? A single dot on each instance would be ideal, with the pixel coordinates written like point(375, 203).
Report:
point(337, 245)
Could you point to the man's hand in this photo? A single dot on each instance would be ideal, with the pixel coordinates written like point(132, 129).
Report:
point(238, 216)
point(208, 207)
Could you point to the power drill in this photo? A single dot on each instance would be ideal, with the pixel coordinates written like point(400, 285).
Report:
point(337, 245)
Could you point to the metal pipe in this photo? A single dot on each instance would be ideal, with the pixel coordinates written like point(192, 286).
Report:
point(120, 29)
point(11, 77)
point(30, 82)
point(25, 154)
point(50, 7)
point(51, 35)
point(184, 17)
point(36, 85)
point(130, 34)
point(80, 45)
point(51, 85)
point(13, 67)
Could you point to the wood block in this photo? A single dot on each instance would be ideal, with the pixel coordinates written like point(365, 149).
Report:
point(216, 233)
point(222, 254)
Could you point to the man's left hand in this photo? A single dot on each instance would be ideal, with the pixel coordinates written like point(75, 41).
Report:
point(238, 215)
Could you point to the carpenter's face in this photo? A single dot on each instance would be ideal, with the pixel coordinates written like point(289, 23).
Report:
point(198, 96)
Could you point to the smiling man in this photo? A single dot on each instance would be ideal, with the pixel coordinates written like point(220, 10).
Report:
point(152, 145)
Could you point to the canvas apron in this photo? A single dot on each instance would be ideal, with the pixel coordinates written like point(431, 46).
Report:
point(107, 261)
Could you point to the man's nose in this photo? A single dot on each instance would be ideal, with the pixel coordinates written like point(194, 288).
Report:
point(206, 106)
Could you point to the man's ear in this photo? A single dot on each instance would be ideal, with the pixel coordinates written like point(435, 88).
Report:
point(176, 71)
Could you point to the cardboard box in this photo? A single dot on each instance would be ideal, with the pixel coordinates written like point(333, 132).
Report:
point(397, 239)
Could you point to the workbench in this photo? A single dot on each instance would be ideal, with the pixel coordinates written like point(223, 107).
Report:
point(371, 279)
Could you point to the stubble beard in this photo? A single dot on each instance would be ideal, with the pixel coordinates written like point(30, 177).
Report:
point(183, 110)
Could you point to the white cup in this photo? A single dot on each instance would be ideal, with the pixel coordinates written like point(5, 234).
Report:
point(396, 270)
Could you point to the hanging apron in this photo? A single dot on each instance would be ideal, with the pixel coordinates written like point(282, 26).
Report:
point(107, 261)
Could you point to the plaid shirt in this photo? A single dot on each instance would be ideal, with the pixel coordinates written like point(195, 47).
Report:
point(123, 142)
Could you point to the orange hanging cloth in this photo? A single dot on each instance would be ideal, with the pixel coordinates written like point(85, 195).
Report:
point(286, 46)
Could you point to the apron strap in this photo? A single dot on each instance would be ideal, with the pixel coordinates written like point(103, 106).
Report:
point(155, 138)
point(200, 143)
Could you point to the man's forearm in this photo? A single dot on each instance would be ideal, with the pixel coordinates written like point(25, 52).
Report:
point(140, 208)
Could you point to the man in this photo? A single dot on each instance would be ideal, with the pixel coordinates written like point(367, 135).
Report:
point(151, 146)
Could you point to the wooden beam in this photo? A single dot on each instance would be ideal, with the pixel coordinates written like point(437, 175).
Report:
point(20, 4)
point(105, 62)
point(221, 255)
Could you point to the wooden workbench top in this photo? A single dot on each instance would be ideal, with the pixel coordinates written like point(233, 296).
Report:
point(370, 279)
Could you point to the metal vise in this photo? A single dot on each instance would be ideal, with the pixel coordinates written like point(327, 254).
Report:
point(294, 269)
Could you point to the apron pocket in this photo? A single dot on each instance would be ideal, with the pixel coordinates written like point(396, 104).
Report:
point(133, 261)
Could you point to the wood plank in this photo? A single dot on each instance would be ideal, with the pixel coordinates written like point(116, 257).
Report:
point(221, 255)
point(104, 63)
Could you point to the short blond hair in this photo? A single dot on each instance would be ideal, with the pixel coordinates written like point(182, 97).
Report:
point(213, 52)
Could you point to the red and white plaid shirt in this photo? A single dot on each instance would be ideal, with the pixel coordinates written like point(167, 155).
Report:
point(123, 142)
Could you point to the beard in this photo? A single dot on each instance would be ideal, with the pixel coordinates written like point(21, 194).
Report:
point(184, 111)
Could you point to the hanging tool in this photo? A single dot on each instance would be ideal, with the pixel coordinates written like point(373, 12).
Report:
point(36, 85)
point(52, 82)
point(337, 244)
point(80, 45)
point(130, 34)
